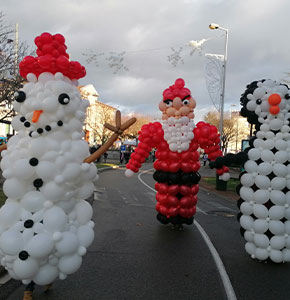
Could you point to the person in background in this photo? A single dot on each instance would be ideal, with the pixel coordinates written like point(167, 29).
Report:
point(105, 156)
point(204, 158)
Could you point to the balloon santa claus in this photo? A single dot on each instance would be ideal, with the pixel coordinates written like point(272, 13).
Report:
point(176, 139)
point(45, 224)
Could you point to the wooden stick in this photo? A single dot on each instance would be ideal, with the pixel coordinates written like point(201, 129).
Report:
point(118, 129)
point(103, 149)
point(3, 147)
point(111, 127)
point(118, 119)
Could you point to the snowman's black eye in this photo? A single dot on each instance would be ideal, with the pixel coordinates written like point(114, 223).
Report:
point(63, 99)
point(19, 96)
point(287, 96)
point(258, 101)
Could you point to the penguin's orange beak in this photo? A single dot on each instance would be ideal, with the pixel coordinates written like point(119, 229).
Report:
point(36, 115)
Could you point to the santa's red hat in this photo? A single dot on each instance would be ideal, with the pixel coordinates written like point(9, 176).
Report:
point(51, 57)
point(176, 90)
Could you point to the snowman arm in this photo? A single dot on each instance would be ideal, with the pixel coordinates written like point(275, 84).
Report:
point(3, 147)
point(148, 139)
point(118, 129)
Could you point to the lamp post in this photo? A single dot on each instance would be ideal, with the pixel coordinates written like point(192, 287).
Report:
point(221, 125)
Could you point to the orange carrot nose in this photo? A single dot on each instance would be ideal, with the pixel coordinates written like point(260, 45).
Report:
point(36, 115)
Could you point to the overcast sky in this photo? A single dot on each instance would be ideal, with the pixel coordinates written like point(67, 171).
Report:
point(259, 43)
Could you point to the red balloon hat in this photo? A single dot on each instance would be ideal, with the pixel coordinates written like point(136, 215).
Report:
point(51, 57)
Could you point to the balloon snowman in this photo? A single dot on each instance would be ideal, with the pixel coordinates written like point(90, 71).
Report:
point(177, 140)
point(265, 184)
point(45, 224)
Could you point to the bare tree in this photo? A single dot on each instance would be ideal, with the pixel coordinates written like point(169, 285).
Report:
point(229, 129)
point(11, 53)
point(133, 131)
point(99, 114)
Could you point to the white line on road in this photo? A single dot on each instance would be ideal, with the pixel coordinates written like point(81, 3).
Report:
point(220, 266)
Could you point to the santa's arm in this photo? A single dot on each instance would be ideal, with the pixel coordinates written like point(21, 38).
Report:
point(208, 139)
point(150, 136)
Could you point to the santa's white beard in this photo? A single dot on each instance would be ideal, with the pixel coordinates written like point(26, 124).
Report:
point(178, 133)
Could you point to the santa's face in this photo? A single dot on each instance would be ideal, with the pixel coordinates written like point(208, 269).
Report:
point(178, 107)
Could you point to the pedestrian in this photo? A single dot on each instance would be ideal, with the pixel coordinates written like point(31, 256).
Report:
point(204, 158)
point(127, 156)
point(105, 156)
point(122, 156)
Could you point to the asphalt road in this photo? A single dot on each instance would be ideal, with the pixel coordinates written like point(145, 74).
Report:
point(135, 257)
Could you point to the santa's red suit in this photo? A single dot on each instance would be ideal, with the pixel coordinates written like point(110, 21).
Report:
point(176, 171)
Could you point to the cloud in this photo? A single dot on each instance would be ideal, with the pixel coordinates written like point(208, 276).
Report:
point(147, 30)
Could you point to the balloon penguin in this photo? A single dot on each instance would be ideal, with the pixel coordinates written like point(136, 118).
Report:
point(265, 184)
point(45, 224)
point(176, 139)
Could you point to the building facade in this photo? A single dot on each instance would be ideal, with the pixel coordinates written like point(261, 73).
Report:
point(97, 115)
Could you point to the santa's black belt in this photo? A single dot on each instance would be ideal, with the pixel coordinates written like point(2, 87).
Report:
point(179, 177)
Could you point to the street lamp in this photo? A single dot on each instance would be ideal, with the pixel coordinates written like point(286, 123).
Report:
point(214, 26)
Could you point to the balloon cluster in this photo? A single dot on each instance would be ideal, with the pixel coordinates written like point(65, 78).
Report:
point(265, 185)
point(52, 57)
point(45, 224)
point(176, 90)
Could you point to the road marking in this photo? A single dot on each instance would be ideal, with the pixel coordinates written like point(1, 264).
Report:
point(149, 187)
point(220, 266)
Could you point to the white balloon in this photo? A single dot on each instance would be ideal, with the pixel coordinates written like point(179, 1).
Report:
point(32, 201)
point(261, 196)
point(247, 180)
point(68, 244)
point(249, 236)
point(261, 254)
point(85, 235)
point(280, 170)
point(260, 226)
point(246, 193)
point(277, 227)
point(278, 242)
point(261, 240)
point(260, 211)
point(69, 264)
point(278, 197)
point(267, 155)
point(276, 256)
point(22, 169)
point(278, 183)
point(254, 154)
point(45, 275)
point(46, 170)
point(250, 248)
point(264, 168)
point(84, 212)
point(277, 212)
point(246, 208)
point(281, 156)
point(14, 188)
point(53, 191)
point(86, 190)
point(286, 255)
point(9, 214)
point(54, 219)
point(11, 242)
point(71, 171)
point(246, 222)
point(250, 166)
point(25, 269)
point(262, 182)
point(40, 246)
